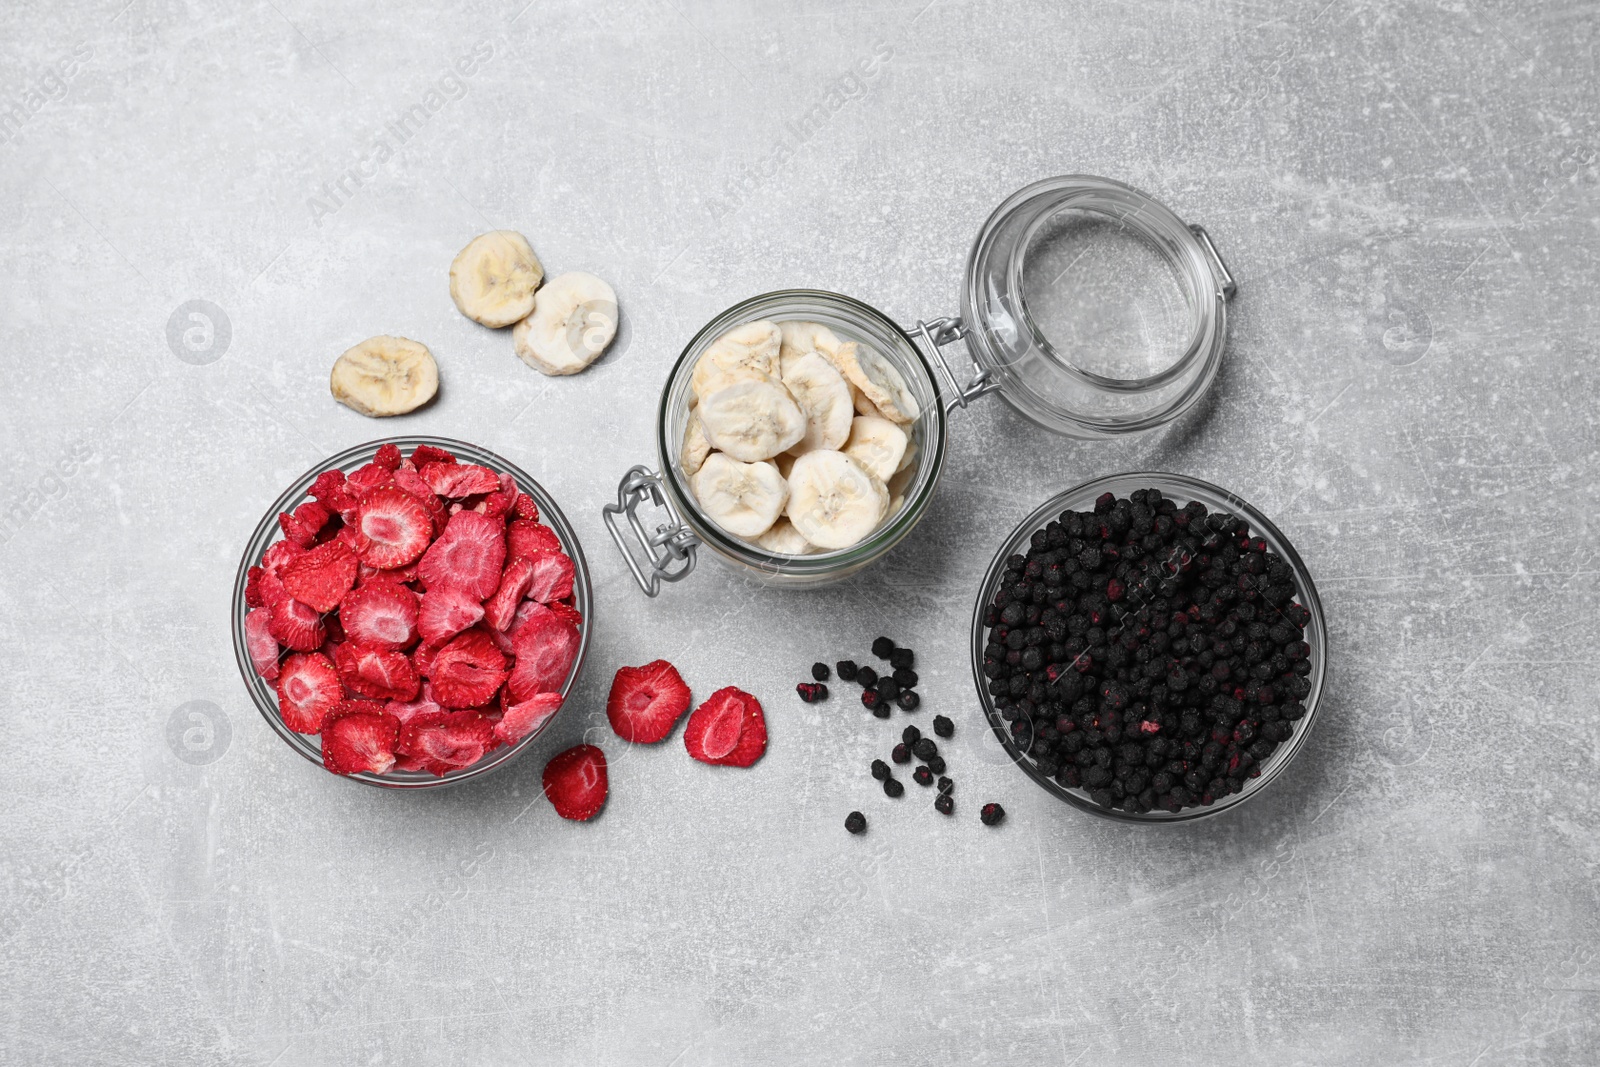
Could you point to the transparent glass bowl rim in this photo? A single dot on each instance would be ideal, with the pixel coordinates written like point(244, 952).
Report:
point(822, 563)
point(266, 532)
point(1183, 488)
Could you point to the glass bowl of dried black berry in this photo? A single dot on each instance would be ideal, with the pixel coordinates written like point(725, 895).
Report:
point(1149, 647)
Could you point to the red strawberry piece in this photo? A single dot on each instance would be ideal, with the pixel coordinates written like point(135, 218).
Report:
point(308, 690)
point(446, 611)
point(422, 455)
point(552, 577)
point(412, 483)
point(545, 647)
point(447, 740)
point(296, 531)
point(260, 643)
point(314, 514)
point(497, 505)
point(456, 480)
point(563, 609)
point(321, 577)
point(646, 702)
point(525, 507)
point(422, 657)
point(380, 615)
point(330, 488)
point(366, 575)
point(406, 710)
point(467, 672)
point(364, 479)
point(360, 740)
point(728, 729)
point(278, 555)
point(522, 719)
point(378, 673)
point(469, 555)
point(253, 597)
point(514, 582)
point(524, 538)
point(295, 624)
point(575, 782)
point(388, 456)
point(394, 527)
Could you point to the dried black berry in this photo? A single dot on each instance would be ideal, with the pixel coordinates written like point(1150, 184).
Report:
point(883, 648)
point(936, 764)
point(870, 698)
point(887, 688)
point(946, 785)
point(812, 692)
point(911, 735)
point(924, 748)
point(855, 822)
point(901, 753)
point(943, 726)
point(847, 670)
point(902, 657)
point(881, 710)
point(866, 676)
point(819, 671)
point(894, 787)
point(906, 677)
point(991, 814)
point(922, 775)
point(908, 700)
point(880, 769)
point(944, 804)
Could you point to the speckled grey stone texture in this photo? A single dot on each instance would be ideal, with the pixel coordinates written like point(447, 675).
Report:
point(1407, 193)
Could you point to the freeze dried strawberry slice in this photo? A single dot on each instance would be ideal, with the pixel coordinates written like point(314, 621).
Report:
point(468, 671)
point(322, 576)
point(260, 643)
point(456, 480)
point(314, 514)
point(394, 527)
point(497, 505)
point(646, 702)
point(331, 488)
point(545, 647)
point(412, 483)
point(575, 782)
point(295, 624)
point(422, 455)
point(525, 538)
point(366, 478)
point(522, 719)
point(308, 690)
point(469, 555)
point(406, 710)
point(253, 597)
point(388, 456)
point(380, 614)
point(296, 531)
point(552, 577)
point(728, 729)
point(279, 555)
point(447, 740)
point(422, 657)
point(446, 611)
point(563, 610)
point(378, 673)
point(525, 507)
point(356, 741)
point(514, 582)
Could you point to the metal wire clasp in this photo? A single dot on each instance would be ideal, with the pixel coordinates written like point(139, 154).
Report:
point(670, 551)
point(942, 331)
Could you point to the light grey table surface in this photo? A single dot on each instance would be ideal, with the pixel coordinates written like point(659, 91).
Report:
point(1407, 194)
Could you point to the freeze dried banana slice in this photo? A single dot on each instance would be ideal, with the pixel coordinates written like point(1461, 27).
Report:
point(743, 498)
point(492, 279)
point(824, 399)
point(752, 418)
point(802, 337)
point(574, 319)
point(833, 501)
point(385, 376)
point(879, 382)
point(877, 444)
point(783, 539)
point(695, 446)
point(751, 347)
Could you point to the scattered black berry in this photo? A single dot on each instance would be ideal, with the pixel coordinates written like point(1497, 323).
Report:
point(880, 769)
point(819, 671)
point(924, 748)
point(936, 764)
point(870, 698)
point(888, 689)
point(991, 814)
point(901, 753)
point(943, 726)
point(855, 822)
point(944, 804)
point(882, 711)
point(894, 787)
point(867, 677)
point(911, 735)
point(946, 785)
point(847, 670)
point(908, 700)
point(812, 692)
point(902, 657)
point(883, 648)
point(922, 775)
point(905, 677)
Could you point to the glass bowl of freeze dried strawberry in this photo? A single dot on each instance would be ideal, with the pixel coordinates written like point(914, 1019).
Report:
point(412, 612)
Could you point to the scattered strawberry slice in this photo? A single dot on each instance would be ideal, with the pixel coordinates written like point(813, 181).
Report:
point(447, 740)
point(378, 673)
point(446, 611)
point(394, 527)
point(308, 690)
point(321, 577)
point(522, 719)
point(357, 739)
point(380, 614)
point(552, 576)
point(294, 624)
point(278, 556)
point(525, 538)
point(545, 647)
point(646, 702)
point(387, 456)
point(468, 671)
point(422, 455)
point(456, 480)
point(253, 597)
point(514, 582)
point(469, 554)
point(728, 729)
point(260, 643)
point(575, 782)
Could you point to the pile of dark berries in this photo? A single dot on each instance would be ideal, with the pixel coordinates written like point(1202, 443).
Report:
point(1151, 655)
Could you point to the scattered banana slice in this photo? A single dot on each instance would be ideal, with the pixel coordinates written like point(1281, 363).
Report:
point(743, 498)
point(824, 399)
point(752, 417)
point(574, 319)
point(833, 501)
point(877, 444)
point(492, 279)
point(695, 446)
point(878, 381)
point(385, 376)
point(751, 347)
point(784, 540)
